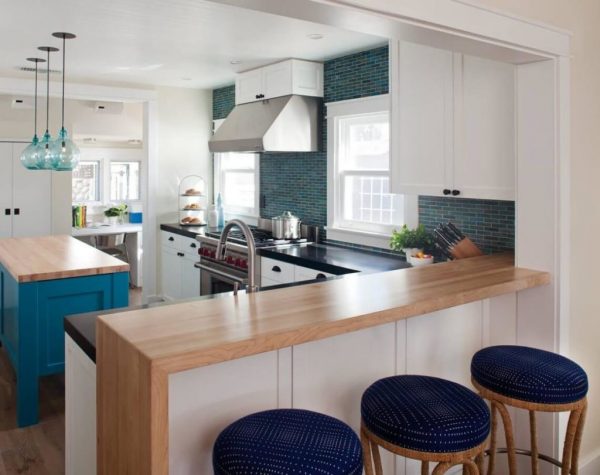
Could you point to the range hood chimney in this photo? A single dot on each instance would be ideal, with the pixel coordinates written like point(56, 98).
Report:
point(283, 124)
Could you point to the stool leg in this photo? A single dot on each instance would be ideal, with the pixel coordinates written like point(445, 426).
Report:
point(470, 468)
point(424, 467)
point(510, 439)
point(479, 463)
point(376, 458)
point(366, 449)
point(441, 468)
point(568, 449)
point(577, 444)
point(493, 440)
point(535, 466)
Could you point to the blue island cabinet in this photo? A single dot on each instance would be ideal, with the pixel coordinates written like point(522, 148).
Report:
point(31, 325)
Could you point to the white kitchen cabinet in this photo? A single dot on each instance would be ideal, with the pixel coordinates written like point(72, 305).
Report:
point(274, 272)
point(25, 196)
point(292, 76)
point(305, 273)
point(452, 124)
point(179, 278)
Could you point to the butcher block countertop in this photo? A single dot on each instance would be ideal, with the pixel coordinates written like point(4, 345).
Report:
point(137, 350)
point(54, 257)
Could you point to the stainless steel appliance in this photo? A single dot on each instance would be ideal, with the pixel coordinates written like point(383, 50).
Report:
point(231, 272)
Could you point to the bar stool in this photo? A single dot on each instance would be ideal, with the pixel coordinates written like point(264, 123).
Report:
point(424, 418)
point(534, 380)
point(287, 441)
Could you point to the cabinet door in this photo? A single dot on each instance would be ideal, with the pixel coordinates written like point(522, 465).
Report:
point(422, 119)
point(247, 86)
point(190, 277)
point(171, 273)
point(304, 273)
point(307, 78)
point(32, 197)
point(6, 186)
point(277, 80)
point(485, 160)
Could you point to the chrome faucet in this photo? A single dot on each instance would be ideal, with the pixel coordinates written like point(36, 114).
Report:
point(222, 247)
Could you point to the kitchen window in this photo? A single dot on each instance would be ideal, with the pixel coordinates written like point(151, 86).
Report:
point(360, 207)
point(86, 182)
point(124, 181)
point(237, 179)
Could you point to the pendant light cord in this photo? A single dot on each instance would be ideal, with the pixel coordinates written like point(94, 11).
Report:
point(48, 95)
point(63, 89)
point(35, 101)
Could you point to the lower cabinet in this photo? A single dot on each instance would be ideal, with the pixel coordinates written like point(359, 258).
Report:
point(274, 272)
point(179, 278)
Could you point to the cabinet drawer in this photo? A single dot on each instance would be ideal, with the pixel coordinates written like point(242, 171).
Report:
point(304, 273)
point(189, 246)
point(265, 282)
point(171, 240)
point(278, 271)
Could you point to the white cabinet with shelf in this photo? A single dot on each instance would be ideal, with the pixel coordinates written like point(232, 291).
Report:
point(453, 123)
point(25, 196)
point(292, 76)
point(179, 278)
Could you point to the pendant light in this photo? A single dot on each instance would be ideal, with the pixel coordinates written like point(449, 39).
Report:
point(45, 157)
point(65, 154)
point(30, 156)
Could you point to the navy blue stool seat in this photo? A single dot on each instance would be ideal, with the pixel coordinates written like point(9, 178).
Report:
point(426, 418)
point(534, 380)
point(529, 374)
point(287, 441)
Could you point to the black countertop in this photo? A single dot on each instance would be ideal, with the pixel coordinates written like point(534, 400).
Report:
point(335, 259)
point(187, 231)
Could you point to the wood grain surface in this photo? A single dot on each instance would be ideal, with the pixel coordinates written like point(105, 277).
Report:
point(137, 350)
point(55, 257)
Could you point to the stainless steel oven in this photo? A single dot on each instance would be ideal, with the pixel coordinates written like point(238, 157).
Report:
point(217, 279)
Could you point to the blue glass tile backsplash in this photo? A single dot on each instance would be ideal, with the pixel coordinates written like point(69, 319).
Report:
point(297, 182)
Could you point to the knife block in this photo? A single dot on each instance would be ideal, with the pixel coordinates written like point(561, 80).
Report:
point(465, 249)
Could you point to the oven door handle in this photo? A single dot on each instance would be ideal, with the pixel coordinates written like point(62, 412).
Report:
point(230, 279)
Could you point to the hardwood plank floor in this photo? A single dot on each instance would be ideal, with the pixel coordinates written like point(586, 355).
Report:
point(38, 449)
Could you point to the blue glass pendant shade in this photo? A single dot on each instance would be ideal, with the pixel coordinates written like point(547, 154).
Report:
point(30, 156)
point(64, 152)
point(45, 158)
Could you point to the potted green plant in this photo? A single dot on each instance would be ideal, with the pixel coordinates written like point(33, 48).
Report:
point(410, 241)
point(116, 213)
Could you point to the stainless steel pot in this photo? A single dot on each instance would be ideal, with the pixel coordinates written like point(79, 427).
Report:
point(286, 226)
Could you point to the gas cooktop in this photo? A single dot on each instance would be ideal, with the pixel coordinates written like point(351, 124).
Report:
point(262, 238)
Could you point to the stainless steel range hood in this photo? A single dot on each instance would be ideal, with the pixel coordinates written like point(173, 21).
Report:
point(282, 124)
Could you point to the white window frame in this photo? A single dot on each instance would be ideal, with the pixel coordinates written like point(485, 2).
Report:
point(109, 181)
point(337, 228)
point(238, 212)
point(97, 202)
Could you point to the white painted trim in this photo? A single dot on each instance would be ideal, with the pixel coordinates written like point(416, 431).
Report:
point(360, 105)
point(359, 237)
point(89, 92)
point(590, 465)
point(150, 226)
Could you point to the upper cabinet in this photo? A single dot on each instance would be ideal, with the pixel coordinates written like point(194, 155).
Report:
point(292, 76)
point(453, 122)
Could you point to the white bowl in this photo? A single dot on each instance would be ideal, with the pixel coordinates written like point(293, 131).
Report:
point(421, 261)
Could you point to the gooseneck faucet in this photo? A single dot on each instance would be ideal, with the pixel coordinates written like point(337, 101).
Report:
point(222, 247)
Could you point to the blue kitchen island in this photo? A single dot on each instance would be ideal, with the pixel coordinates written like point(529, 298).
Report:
point(43, 280)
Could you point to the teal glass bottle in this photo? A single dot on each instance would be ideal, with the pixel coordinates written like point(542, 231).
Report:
point(65, 154)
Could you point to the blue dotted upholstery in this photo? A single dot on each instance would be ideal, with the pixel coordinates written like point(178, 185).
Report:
point(287, 441)
point(425, 414)
point(529, 374)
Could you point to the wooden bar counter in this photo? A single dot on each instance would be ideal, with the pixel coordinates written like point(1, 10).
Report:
point(42, 280)
point(341, 334)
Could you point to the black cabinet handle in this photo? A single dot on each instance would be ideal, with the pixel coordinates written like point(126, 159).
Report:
point(455, 192)
point(193, 245)
point(180, 254)
point(7, 211)
point(276, 269)
point(17, 211)
point(446, 191)
point(321, 276)
point(257, 96)
point(171, 239)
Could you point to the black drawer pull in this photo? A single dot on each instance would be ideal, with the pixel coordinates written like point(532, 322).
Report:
point(321, 276)
point(17, 211)
point(193, 245)
point(447, 191)
point(180, 254)
point(276, 269)
point(171, 239)
point(455, 192)
point(7, 211)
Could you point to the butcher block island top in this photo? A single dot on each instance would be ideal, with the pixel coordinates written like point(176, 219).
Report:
point(137, 350)
point(35, 259)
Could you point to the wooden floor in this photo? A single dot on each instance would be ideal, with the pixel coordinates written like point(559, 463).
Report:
point(39, 449)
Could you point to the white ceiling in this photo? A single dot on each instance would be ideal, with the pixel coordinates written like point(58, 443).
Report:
point(182, 43)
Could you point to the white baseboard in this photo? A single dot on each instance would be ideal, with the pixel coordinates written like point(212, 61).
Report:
point(590, 465)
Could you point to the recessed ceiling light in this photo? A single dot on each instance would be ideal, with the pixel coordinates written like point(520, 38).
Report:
point(235, 61)
point(315, 36)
